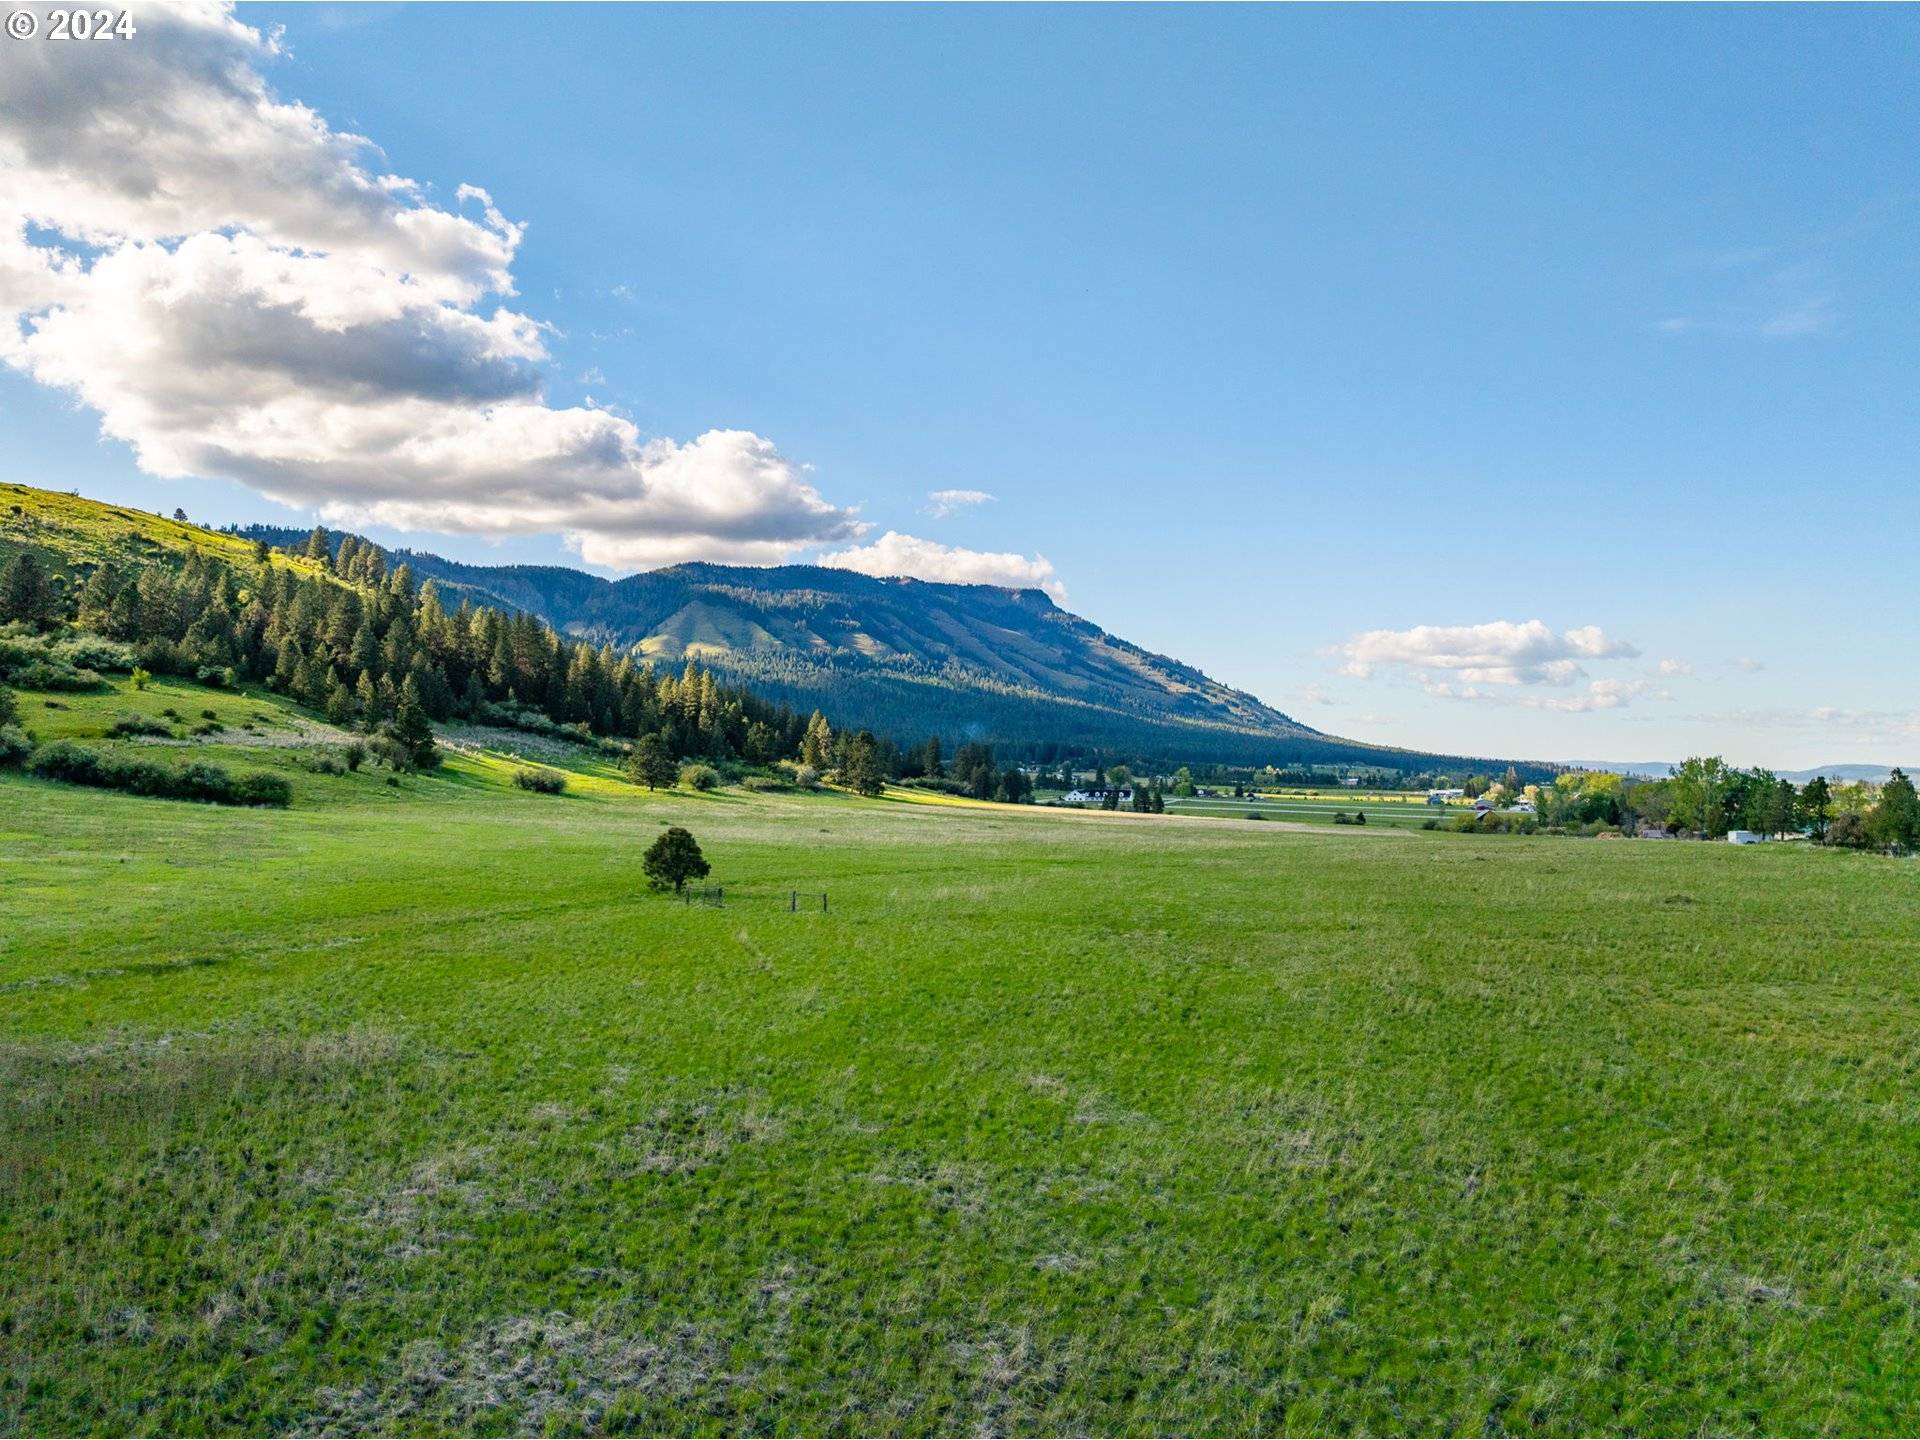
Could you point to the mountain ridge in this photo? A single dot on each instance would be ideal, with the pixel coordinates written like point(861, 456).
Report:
point(907, 657)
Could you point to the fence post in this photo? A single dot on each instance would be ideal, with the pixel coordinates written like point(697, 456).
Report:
point(793, 901)
point(823, 902)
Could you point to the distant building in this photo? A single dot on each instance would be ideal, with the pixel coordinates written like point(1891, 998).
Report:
point(1094, 797)
point(1352, 781)
point(1441, 797)
point(1744, 837)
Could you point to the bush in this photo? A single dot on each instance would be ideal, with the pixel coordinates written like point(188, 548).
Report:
point(391, 753)
point(1849, 830)
point(321, 763)
point(15, 746)
point(355, 755)
point(541, 781)
point(764, 783)
point(700, 777)
point(141, 678)
point(90, 652)
point(53, 675)
point(126, 725)
point(77, 765)
point(208, 727)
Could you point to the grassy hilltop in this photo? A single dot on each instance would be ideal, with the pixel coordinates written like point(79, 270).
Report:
point(408, 1109)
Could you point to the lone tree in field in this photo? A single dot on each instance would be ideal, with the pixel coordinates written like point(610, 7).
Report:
point(651, 763)
point(673, 860)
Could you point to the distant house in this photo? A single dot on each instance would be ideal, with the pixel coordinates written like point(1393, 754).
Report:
point(1094, 797)
point(1352, 782)
point(1520, 807)
point(1744, 837)
point(1441, 797)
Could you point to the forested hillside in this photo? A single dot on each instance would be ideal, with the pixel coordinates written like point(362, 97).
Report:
point(369, 646)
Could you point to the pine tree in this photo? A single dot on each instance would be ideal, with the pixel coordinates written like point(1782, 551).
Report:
point(817, 749)
point(1815, 806)
point(860, 769)
point(27, 592)
point(96, 600)
point(9, 707)
point(651, 763)
point(340, 707)
point(1896, 817)
point(674, 859)
point(411, 728)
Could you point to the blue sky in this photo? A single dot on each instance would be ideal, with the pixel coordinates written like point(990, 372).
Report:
point(1322, 348)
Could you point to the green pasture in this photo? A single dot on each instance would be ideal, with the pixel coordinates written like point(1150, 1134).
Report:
point(408, 1109)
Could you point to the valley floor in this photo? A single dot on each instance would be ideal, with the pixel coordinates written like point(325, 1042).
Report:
point(410, 1109)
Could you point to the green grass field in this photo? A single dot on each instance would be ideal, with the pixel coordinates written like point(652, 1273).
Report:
point(409, 1109)
point(1319, 808)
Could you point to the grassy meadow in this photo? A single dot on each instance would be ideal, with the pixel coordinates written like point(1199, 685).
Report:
point(409, 1109)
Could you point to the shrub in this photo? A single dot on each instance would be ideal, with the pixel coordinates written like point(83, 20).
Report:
point(209, 715)
point(260, 788)
point(1849, 830)
point(90, 652)
point(321, 763)
point(53, 675)
point(700, 777)
point(208, 727)
point(392, 753)
point(141, 678)
point(77, 765)
point(9, 707)
point(541, 781)
point(355, 755)
point(126, 725)
point(15, 746)
point(764, 783)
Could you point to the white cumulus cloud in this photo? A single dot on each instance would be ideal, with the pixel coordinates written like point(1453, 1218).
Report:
point(942, 503)
point(897, 554)
point(1501, 652)
point(240, 290)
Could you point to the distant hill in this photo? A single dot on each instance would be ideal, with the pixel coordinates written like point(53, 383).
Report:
point(1660, 769)
point(1873, 773)
point(913, 657)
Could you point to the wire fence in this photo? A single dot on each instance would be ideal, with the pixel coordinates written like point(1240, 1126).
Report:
point(718, 897)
